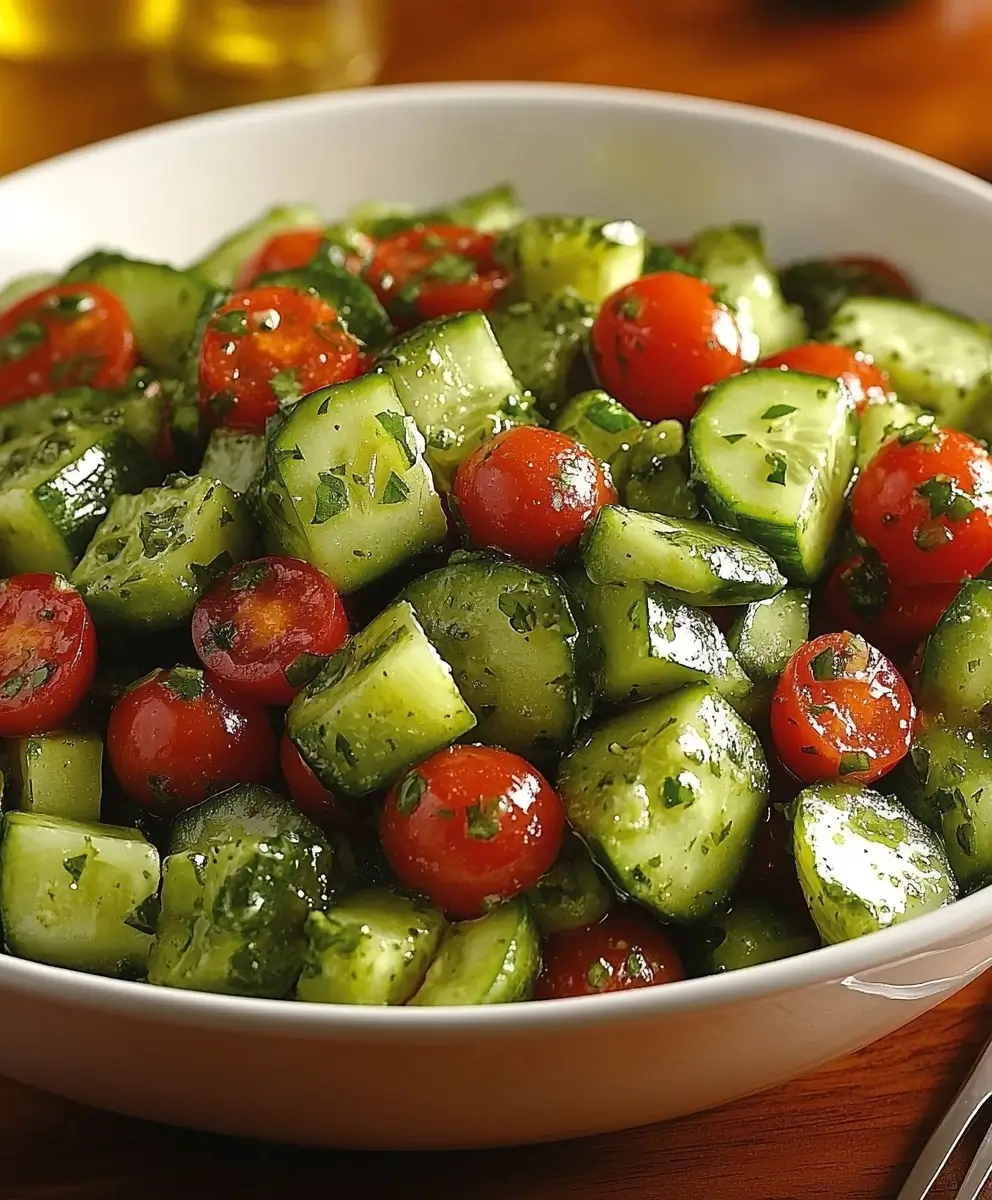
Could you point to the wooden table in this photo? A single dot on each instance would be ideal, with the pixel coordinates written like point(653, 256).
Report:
point(848, 1133)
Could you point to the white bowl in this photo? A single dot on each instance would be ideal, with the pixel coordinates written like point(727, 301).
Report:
point(484, 1076)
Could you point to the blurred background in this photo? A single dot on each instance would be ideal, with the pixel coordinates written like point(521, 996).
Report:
point(914, 71)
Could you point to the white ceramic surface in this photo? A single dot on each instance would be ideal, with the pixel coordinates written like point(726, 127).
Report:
point(474, 1077)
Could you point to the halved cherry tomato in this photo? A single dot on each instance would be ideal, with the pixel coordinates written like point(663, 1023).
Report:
point(841, 711)
point(660, 340)
point(308, 793)
point(530, 492)
point(430, 272)
point(625, 950)
point(924, 502)
point(64, 336)
point(866, 383)
point(270, 344)
point(266, 626)
point(472, 825)
point(47, 653)
point(284, 251)
point(177, 737)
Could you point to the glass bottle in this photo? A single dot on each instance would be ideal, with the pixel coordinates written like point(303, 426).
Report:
point(45, 29)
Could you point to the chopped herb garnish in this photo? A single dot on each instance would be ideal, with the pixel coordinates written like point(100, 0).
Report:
point(482, 820)
point(249, 575)
point(185, 682)
point(609, 416)
point(144, 918)
point(733, 438)
point(778, 464)
point(776, 411)
point(19, 343)
point(397, 425)
point(395, 491)
point(304, 668)
point(945, 498)
point(75, 866)
point(674, 793)
point(343, 747)
point(921, 431)
point(234, 322)
point(204, 574)
point(410, 790)
point(523, 617)
point(286, 386)
point(964, 835)
point(160, 531)
point(598, 975)
point(825, 667)
point(221, 637)
point(331, 498)
point(852, 761)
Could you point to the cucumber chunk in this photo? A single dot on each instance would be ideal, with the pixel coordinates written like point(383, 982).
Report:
point(734, 261)
point(453, 379)
point(653, 475)
point(235, 457)
point(156, 553)
point(345, 485)
point(754, 931)
point(372, 947)
point(600, 423)
point(574, 894)
point(768, 632)
point(774, 452)
point(18, 289)
point(246, 810)
point(864, 861)
point(955, 681)
point(56, 488)
point(78, 895)
point(880, 423)
point(819, 286)
point(510, 638)
point(384, 702)
point(935, 358)
point(222, 264)
point(691, 561)
point(582, 255)
point(490, 211)
point(357, 306)
point(495, 959)
point(139, 409)
point(668, 797)
point(58, 774)
point(542, 342)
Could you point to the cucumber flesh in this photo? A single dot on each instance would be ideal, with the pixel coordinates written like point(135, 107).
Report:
point(955, 681)
point(580, 255)
point(881, 422)
point(754, 931)
point(768, 632)
point(574, 894)
point(601, 424)
point(58, 774)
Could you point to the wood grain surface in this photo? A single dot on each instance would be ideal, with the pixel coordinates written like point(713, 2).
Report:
point(918, 75)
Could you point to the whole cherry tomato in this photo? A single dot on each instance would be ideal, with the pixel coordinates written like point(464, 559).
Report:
point(308, 793)
point(866, 383)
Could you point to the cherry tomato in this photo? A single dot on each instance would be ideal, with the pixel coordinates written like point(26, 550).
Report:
point(625, 950)
point(869, 276)
point(308, 793)
point(284, 251)
point(264, 627)
point(435, 271)
point(64, 336)
point(472, 825)
point(177, 737)
point(660, 340)
point(925, 504)
point(530, 492)
point(47, 653)
point(866, 383)
point(268, 344)
point(841, 711)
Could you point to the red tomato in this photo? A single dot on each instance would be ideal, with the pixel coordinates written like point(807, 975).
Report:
point(308, 793)
point(875, 276)
point(660, 340)
point(925, 504)
point(47, 653)
point(268, 344)
point(472, 825)
point(866, 383)
point(64, 336)
point(176, 737)
point(625, 950)
point(841, 711)
point(420, 274)
point(265, 626)
point(284, 251)
point(530, 492)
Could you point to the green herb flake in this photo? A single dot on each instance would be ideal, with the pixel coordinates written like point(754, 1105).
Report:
point(343, 747)
point(286, 386)
point(522, 617)
point(776, 411)
point(778, 464)
point(675, 793)
point(250, 575)
point(598, 975)
point(409, 793)
point(144, 918)
point(331, 498)
point(304, 668)
point(220, 637)
point(825, 666)
point(397, 425)
point(395, 491)
point(945, 498)
point(205, 574)
point(482, 820)
point(854, 761)
point(233, 322)
point(734, 438)
point(609, 416)
point(964, 835)
point(185, 682)
point(338, 937)
point(19, 343)
point(161, 531)
point(75, 866)
point(41, 675)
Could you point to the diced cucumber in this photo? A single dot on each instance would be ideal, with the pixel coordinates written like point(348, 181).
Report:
point(246, 810)
point(649, 644)
point(357, 306)
point(490, 211)
point(346, 486)
point(383, 703)
point(235, 457)
point(754, 931)
point(59, 774)
point(774, 452)
point(768, 632)
point(935, 358)
point(881, 422)
point(163, 303)
point(16, 290)
point(222, 264)
point(56, 487)
point(372, 947)
point(601, 424)
point(542, 342)
point(734, 261)
point(591, 258)
point(864, 861)
point(819, 286)
point(156, 553)
point(574, 894)
point(77, 895)
point(495, 959)
point(653, 475)
point(668, 797)
point(452, 378)
point(692, 561)
point(512, 643)
point(955, 681)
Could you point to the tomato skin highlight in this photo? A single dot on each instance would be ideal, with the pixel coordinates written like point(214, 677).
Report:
point(64, 336)
point(866, 383)
point(252, 626)
point(470, 825)
point(177, 737)
point(263, 333)
point(841, 710)
point(48, 653)
point(307, 792)
point(530, 492)
point(657, 342)
point(926, 506)
point(626, 950)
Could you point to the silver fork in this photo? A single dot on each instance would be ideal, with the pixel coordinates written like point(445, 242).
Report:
point(975, 1091)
